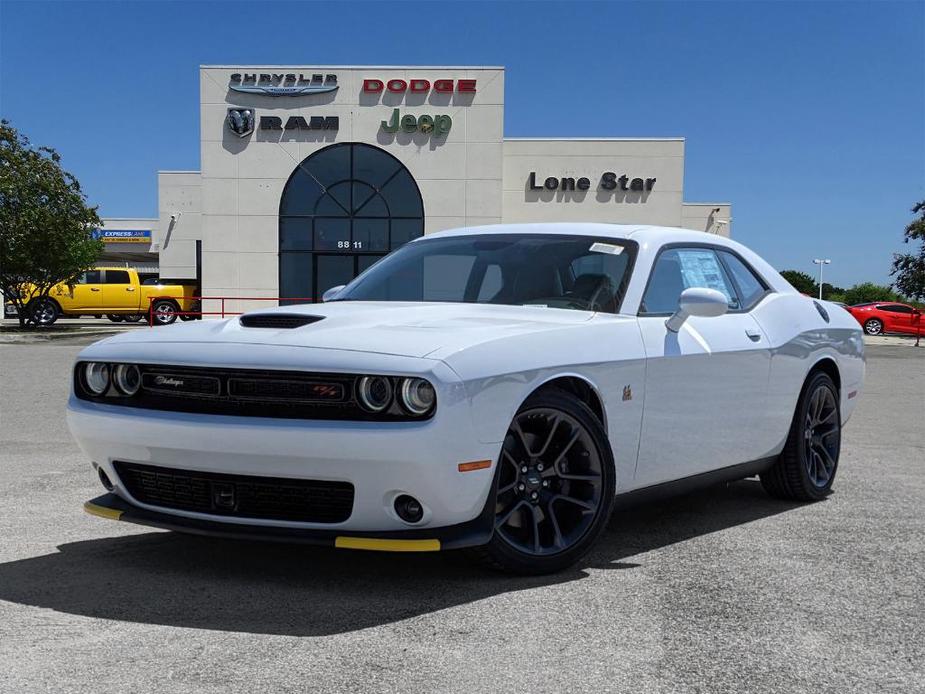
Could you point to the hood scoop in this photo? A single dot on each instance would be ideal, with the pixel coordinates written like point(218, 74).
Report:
point(277, 321)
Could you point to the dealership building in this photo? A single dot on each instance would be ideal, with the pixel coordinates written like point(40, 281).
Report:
point(309, 174)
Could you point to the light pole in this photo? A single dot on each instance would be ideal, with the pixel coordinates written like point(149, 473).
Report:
point(820, 262)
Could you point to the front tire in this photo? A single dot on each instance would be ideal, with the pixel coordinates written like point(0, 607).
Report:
point(806, 468)
point(43, 311)
point(555, 486)
point(874, 326)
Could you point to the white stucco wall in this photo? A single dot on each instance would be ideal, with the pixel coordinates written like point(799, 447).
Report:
point(711, 217)
point(179, 202)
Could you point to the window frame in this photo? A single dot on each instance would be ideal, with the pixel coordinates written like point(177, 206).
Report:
point(735, 285)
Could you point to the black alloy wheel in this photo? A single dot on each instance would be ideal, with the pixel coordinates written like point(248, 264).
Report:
point(806, 468)
point(822, 437)
point(555, 486)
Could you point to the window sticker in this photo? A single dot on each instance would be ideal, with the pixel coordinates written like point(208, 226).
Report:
point(701, 269)
point(610, 248)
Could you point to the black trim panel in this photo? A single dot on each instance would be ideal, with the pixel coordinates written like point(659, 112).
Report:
point(694, 482)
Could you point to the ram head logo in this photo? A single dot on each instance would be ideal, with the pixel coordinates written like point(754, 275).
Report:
point(241, 121)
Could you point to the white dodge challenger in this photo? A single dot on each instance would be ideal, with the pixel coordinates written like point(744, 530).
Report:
point(497, 388)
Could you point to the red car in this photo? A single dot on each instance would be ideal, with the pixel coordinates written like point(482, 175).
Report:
point(888, 317)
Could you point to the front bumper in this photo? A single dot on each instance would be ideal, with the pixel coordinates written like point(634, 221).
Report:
point(469, 534)
point(381, 460)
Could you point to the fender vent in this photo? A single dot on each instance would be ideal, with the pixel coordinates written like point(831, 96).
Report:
point(279, 321)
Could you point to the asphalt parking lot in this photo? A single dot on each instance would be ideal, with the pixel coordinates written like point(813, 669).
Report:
point(720, 591)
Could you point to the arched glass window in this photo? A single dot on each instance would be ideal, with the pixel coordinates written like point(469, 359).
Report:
point(343, 208)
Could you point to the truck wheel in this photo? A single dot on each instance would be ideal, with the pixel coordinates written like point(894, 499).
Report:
point(43, 311)
point(114, 318)
point(164, 312)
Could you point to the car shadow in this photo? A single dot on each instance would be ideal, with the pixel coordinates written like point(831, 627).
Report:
point(176, 580)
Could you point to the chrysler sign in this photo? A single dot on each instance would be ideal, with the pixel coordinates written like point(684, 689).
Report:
point(282, 84)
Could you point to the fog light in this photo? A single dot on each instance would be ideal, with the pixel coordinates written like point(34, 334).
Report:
point(409, 509)
point(96, 377)
point(104, 480)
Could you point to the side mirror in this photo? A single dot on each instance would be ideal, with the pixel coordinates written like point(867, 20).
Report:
point(697, 301)
point(332, 292)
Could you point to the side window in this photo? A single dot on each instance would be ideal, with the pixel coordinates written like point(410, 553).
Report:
point(91, 277)
point(750, 286)
point(117, 277)
point(682, 268)
point(902, 309)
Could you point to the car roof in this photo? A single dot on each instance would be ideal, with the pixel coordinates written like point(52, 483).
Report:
point(641, 233)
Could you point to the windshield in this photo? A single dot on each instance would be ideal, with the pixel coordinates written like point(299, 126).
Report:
point(556, 271)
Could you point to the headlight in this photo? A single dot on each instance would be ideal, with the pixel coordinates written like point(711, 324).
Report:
point(375, 393)
point(417, 395)
point(96, 377)
point(127, 378)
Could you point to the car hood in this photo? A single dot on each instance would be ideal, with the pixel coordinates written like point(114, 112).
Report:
point(403, 329)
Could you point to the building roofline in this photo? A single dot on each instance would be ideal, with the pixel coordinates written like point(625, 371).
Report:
point(129, 219)
point(304, 66)
point(183, 171)
point(706, 204)
point(594, 139)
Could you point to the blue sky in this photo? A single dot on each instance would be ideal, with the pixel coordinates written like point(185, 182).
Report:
point(808, 117)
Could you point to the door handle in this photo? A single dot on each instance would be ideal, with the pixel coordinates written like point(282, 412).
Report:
point(130, 289)
point(753, 335)
point(94, 289)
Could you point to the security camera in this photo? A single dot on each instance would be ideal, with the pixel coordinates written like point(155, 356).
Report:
point(716, 209)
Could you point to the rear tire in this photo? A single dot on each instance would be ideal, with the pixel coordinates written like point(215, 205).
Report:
point(549, 516)
point(806, 468)
point(874, 326)
point(164, 312)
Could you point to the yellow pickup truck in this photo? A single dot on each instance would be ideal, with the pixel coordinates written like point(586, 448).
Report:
point(116, 292)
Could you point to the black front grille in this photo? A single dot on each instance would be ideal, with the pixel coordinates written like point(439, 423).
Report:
point(243, 496)
point(248, 393)
point(280, 321)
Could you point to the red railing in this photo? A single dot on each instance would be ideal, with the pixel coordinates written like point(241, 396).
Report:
point(222, 312)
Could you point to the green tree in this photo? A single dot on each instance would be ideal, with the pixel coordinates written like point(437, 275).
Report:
point(45, 224)
point(909, 268)
point(830, 291)
point(868, 291)
point(801, 281)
